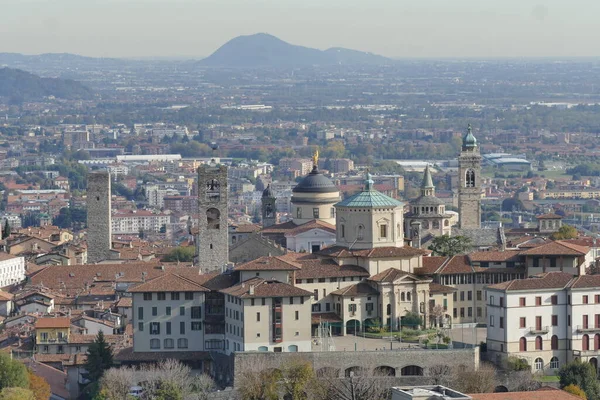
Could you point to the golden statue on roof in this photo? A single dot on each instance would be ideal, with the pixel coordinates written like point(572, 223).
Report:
point(315, 158)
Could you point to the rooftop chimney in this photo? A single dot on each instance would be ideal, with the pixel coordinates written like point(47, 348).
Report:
point(251, 291)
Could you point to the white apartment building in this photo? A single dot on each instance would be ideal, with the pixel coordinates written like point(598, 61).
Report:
point(134, 221)
point(267, 315)
point(548, 320)
point(12, 269)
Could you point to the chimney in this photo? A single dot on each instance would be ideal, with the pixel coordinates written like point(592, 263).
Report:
point(251, 291)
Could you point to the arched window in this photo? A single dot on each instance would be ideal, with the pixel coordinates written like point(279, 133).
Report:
point(361, 232)
point(402, 297)
point(585, 343)
point(182, 343)
point(342, 231)
point(425, 224)
point(408, 296)
point(155, 343)
point(446, 222)
point(470, 178)
point(213, 218)
point(522, 344)
point(233, 239)
point(169, 343)
point(539, 343)
point(538, 365)
point(554, 364)
point(389, 309)
point(554, 342)
point(436, 224)
point(597, 341)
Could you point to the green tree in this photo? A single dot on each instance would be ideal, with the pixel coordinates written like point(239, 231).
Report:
point(295, 378)
point(16, 393)
point(181, 254)
point(6, 230)
point(518, 364)
point(565, 232)
point(575, 391)
point(449, 246)
point(12, 373)
point(168, 391)
point(99, 358)
point(580, 374)
point(412, 320)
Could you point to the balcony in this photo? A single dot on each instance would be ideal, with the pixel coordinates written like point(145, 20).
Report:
point(52, 340)
point(588, 328)
point(539, 330)
point(277, 339)
point(586, 353)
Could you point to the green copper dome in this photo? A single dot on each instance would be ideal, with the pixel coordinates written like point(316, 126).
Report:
point(469, 140)
point(369, 198)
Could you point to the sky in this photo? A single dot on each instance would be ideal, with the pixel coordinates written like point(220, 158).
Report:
point(393, 28)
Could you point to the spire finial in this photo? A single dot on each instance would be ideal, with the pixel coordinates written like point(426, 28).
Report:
point(368, 181)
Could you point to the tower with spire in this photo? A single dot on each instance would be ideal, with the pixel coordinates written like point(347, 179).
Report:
point(469, 179)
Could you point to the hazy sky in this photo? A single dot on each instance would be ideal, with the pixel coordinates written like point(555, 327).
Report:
point(394, 28)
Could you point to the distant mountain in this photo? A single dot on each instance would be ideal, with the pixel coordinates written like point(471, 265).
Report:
point(264, 50)
point(18, 85)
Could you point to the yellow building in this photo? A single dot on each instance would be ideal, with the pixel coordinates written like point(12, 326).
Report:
point(52, 335)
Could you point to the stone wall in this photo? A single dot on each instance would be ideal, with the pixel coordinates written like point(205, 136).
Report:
point(417, 361)
point(99, 221)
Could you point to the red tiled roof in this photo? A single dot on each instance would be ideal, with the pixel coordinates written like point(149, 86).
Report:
point(264, 288)
point(586, 281)
point(360, 289)
point(549, 216)
point(494, 256)
point(269, 263)
point(437, 288)
point(542, 394)
point(557, 248)
point(48, 322)
point(389, 275)
point(378, 252)
point(457, 265)
point(314, 224)
point(168, 282)
point(430, 265)
point(328, 269)
point(548, 280)
point(4, 296)
point(280, 228)
point(325, 317)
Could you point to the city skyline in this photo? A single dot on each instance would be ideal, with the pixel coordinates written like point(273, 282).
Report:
point(183, 28)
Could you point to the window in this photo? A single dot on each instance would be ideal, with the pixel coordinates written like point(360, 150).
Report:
point(522, 322)
point(299, 212)
point(182, 328)
point(141, 326)
point(470, 312)
point(252, 300)
point(181, 310)
point(324, 293)
point(154, 311)
point(501, 322)
point(538, 365)
point(568, 320)
point(585, 343)
point(327, 306)
point(555, 320)
point(316, 308)
point(182, 343)
point(297, 315)
point(479, 313)
point(332, 212)
point(168, 328)
point(161, 296)
point(383, 231)
point(291, 300)
point(554, 342)
point(597, 298)
point(522, 302)
point(538, 300)
point(168, 309)
point(389, 309)
point(140, 312)
point(479, 295)
point(501, 301)
point(462, 296)
point(257, 317)
point(315, 213)
point(585, 321)
point(155, 343)
point(554, 300)
point(155, 328)
point(169, 343)
point(454, 313)
point(148, 296)
point(265, 302)
point(469, 295)
point(361, 232)
point(316, 294)
point(554, 364)
point(196, 312)
point(491, 320)
point(196, 325)
point(539, 343)
point(454, 296)
point(522, 344)
point(189, 295)
point(174, 295)
point(585, 299)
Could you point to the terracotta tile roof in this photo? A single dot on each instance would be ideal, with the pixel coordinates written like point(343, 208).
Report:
point(51, 358)
point(264, 288)
point(328, 269)
point(542, 394)
point(49, 322)
point(280, 228)
point(548, 280)
point(127, 354)
point(125, 302)
point(437, 288)
point(314, 224)
point(6, 256)
point(586, 281)
point(494, 256)
point(55, 378)
point(557, 248)
point(360, 289)
point(269, 263)
point(389, 275)
point(378, 252)
point(169, 282)
point(246, 228)
point(549, 216)
point(430, 265)
point(4, 296)
point(86, 339)
point(457, 265)
point(325, 317)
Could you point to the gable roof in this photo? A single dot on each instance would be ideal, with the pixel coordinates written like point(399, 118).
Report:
point(548, 280)
point(269, 263)
point(431, 264)
point(437, 288)
point(456, 265)
point(50, 322)
point(264, 288)
point(557, 248)
point(494, 256)
point(310, 225)
point(360, 289)
point(169, 282)
point(377, 252)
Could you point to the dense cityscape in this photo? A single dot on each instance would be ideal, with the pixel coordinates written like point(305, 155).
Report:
point(303, 224)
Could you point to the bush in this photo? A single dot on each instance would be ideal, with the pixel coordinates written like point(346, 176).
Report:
point(575, 391)
point(412, 320)
point(518, 364)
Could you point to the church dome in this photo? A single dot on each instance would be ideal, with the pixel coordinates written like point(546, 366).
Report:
point(315, 182)
point(469, 141)
point(268, 192)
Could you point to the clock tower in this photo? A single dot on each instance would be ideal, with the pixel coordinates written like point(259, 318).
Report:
point(469, 178)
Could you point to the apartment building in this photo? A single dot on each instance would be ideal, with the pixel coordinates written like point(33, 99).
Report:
point(12, 269)
point(267, 315)
point(548, 320)
point(134, 221)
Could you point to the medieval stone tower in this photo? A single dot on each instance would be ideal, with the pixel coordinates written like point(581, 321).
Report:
point(469, 178)
point(212, 245)
point(99, 221)
point(269, 209)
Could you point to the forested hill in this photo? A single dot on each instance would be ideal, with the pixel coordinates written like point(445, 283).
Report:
point(17, 86)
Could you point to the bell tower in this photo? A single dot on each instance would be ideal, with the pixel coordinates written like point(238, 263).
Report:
point(269, 208)
point(212, 249)
point(469, 178)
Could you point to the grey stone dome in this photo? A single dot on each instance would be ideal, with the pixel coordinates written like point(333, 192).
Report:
point(315, 182)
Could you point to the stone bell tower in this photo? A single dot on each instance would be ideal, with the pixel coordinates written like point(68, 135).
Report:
point(269, 208)
point(469, 178)
point(212, 249)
